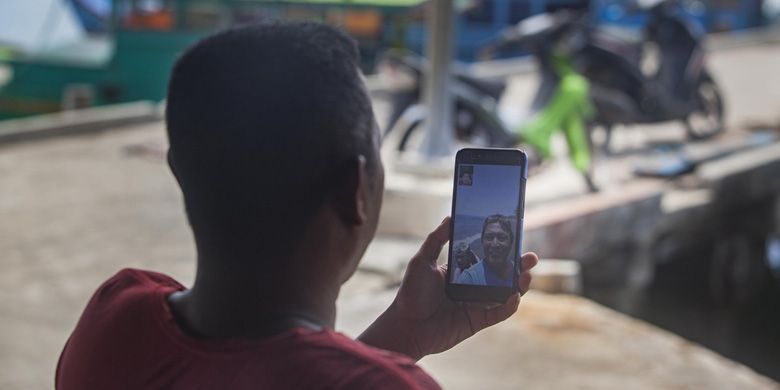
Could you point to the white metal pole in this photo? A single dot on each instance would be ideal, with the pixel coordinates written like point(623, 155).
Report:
point(438, 141)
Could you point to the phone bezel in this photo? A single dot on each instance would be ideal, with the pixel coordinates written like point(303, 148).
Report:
point(475, 293)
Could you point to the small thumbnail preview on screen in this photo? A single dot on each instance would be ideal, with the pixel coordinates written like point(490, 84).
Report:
point(466, 175)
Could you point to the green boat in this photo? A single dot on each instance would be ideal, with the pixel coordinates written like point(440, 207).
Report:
point(131, 61)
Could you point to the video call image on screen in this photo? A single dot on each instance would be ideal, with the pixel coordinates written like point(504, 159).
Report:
point(485, 243)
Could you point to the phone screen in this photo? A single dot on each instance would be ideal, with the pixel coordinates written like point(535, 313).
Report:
point(486, 234)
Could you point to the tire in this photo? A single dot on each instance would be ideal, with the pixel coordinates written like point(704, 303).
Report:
point(708, 119)
point(487, 126)
point(408, 135)
point(489, 129)
point(399, 103)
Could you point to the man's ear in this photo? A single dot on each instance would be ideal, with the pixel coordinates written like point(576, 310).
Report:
point(351, 192)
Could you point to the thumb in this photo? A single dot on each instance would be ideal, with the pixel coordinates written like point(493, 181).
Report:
point(433, 244)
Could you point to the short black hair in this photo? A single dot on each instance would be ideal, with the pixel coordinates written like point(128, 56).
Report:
point(259, 117)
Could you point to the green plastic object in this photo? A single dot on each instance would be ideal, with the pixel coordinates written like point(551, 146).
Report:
point(567, 111)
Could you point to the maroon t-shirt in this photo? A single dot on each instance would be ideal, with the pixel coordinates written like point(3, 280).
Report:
point(127, 339)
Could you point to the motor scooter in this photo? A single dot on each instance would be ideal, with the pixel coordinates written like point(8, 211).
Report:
point(680, 88)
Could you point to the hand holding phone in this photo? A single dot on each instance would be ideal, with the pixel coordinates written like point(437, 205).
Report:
point(422, 320)
point(489, 188)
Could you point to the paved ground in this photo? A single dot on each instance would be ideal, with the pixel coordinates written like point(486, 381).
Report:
point(75, 210)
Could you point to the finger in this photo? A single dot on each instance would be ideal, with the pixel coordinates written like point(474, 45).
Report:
point(433, 244)
point(524, 282)
point(528, 261)
point(483, 318)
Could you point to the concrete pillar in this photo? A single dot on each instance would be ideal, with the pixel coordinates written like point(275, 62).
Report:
point(438, 141)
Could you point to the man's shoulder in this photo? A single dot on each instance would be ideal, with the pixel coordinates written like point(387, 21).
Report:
point(134, 276)
point(125, 296)
point(362, 366)
point(473, 274)
point(130, 282)
point(117, 325)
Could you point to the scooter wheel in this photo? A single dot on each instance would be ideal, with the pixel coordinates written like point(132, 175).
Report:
point(708, 119)
point(408, 135)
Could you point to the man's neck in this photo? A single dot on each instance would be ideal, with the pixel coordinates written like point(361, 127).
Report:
point(236, 306)
point(503, 269)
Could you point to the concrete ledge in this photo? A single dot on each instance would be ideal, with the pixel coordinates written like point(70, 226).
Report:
point(557, 276)
point(78, 121)
point(590, 204)
point(743, 163)
point(605, 232)
point(413, 205)
point(616, 235)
